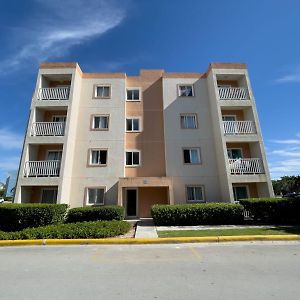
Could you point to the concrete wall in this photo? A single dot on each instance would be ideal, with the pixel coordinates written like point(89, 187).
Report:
point(83, 176)
point(176, 138)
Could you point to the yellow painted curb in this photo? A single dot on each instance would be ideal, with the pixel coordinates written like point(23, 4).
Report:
point(141, 241)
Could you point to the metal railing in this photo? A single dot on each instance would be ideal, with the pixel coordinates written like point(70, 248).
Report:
point(47, 129)
point(233, 93)
point(58, 93)
point(242, 166)
point(42, 168)
point(239, 127)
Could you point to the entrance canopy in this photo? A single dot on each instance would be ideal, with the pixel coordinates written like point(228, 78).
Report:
point(140, 182)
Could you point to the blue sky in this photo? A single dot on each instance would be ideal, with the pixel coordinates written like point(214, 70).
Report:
point(182, 36)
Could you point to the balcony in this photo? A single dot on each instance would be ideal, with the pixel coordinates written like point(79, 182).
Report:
point(48, 129)
point(53, 93)
point(246, 166)
point(239, 127)
point(233, 93)
point(46, 168)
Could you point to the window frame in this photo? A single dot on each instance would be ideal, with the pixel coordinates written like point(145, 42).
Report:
point(185, 84)
point(195, 186)
point(199, 155)
point(238, 186)
point(133, 118)
point(89, 164)
point(133, 165)
point(101, 85)
point(133, 100)
point(86, 197)
point(188, 115)
point(92, 122)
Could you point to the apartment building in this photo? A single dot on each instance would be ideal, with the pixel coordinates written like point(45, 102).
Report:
point(159, 137)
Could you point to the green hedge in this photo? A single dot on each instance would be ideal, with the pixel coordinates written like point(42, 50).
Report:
point(98, 229)
point(81, 214)
point(15, 217)
point(197, 214)
point(273, 210)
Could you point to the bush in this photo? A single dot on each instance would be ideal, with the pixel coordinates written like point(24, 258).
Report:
point(81, 214)
point(15, 217)
point(197, 214)
point(274, 210)
point(98, 229)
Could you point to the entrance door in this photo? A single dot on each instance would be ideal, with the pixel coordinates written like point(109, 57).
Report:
point(131, 203)
point(240, 192)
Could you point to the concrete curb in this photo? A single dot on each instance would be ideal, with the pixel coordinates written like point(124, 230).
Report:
point(144, 241)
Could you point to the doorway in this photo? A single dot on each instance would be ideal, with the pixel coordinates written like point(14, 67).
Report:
point(131, 202)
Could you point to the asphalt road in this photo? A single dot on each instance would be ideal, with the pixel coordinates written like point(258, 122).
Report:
point(187, 271)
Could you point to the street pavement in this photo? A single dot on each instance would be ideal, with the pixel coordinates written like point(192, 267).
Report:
point(260, 270)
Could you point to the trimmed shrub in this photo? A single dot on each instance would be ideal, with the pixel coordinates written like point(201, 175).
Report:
point(101, 213)
point(14, 217)
point(98, 229)
point(273, 210)
point(197, 214)
point(4, 235)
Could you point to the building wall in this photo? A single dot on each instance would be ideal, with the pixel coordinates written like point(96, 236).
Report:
point(150, 141)
point(148, 196)
point(82, 175)
point(176, 138)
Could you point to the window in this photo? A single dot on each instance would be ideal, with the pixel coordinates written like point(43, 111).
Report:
point(133, 94)
point(54, 155)
point(186, 90)
point(98, 157)
point(49, 196)
point(57, 119)
point(102, 91)
point(100, 122)
point(234, 153)
point(95, 196)
point(191, 156)
point(240, 192)
point(195, 194)
point(188, 121)
point(133, 124)
point(132, 158)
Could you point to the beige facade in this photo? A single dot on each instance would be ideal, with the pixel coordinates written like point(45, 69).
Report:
point(109, 138)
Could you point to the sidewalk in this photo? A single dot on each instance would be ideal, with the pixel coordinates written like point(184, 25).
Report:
point(212, 227)
point(145, 229)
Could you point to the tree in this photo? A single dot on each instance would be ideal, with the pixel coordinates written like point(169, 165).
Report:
point(286, 184)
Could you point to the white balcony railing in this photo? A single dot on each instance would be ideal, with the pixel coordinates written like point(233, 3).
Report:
point(239, 127)
point(233, 93)
point(47, 129)
point(42, 168)
point(242, 166)
point(58, 93)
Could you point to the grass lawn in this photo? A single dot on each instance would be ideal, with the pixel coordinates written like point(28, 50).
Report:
point(226, 232)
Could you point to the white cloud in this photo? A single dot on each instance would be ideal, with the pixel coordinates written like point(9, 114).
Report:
point(10, 140)
point(286, 166)
point(293, 76)
point(287, 142)
point(7, 165)
point(289, 153)
point(10, 164)
point(61, 25)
